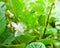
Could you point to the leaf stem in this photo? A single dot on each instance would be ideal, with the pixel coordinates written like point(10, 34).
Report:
point(9, 45)
point(43, 36)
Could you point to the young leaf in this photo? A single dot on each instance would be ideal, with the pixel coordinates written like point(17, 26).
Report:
point(2, 17)
point(6, 37)
point(36, 45)
point(42, 20)
point(25, 38)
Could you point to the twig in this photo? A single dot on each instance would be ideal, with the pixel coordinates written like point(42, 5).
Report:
point(9, 45)
point(47, 20)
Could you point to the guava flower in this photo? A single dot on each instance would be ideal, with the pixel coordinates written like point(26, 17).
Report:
point(19, 26)
point(10, 14)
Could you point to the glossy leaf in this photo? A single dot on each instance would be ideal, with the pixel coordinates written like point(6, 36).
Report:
point(25, 38)
point(2, 17)
point(36, 45)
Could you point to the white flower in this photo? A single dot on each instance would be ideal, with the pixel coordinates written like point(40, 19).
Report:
point(19, 26)
point(10, 14)
point(18, 33)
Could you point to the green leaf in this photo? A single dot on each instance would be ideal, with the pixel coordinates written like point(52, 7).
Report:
point(45, 41)
point(42, 20)
point(50, 30)
point(28, 17)
point(50, 1)
point(9, 39)
point(48, 41)
point(36, 45)
point(25, 38)
point(57, 44)
point(13, 46)
point(2, 17)
point(52, 19)
point(18, 46)
point(30, 20)
point(6, 37)
point(16, 7)
point(39, 7)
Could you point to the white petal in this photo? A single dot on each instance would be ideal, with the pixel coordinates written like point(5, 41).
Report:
point(11, 15)
point(18, 33)
point(14, 24)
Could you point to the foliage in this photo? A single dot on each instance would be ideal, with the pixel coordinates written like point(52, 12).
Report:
point(29, 24)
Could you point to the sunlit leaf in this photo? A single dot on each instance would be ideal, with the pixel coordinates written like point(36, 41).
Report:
point(2, 17)
point(36, 45)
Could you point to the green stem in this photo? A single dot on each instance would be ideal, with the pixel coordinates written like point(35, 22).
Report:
point(43, 36)
point(9, 45)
